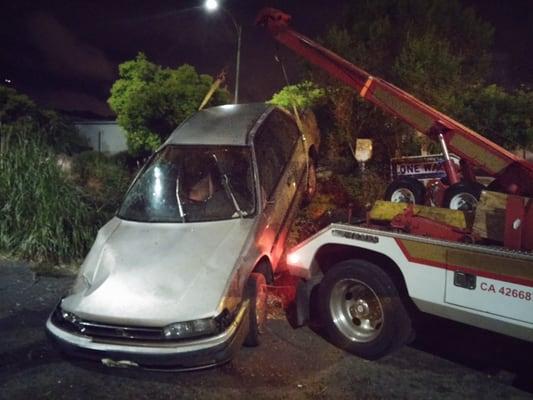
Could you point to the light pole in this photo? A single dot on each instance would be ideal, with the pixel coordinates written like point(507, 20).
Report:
point(213, 5)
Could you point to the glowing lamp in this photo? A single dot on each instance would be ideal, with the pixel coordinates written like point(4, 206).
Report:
point(211, 5)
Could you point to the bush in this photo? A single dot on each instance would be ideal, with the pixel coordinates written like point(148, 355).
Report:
point(365, 189)
point(104, 180)
point(340, 197)
point(21, 116)
point(45, 217)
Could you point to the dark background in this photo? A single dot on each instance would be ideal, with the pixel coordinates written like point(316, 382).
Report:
point(64, 54)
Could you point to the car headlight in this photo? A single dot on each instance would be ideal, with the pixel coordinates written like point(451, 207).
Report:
point(198, 327)
point(64, 318)
point(69, 317)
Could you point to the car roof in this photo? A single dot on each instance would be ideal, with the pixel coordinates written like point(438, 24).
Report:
point(223, 125)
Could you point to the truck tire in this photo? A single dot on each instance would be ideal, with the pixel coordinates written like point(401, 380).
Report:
point(406, 190)
point(256, 292)
point(462, 196)
point(361, 310)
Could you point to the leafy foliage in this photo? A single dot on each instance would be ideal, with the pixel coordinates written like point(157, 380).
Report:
point(434, 49)
point(504, 117)
point(45, 217)
point(104, 181)
point(150, 101)
point(18, 113)
point(47, 214)
point(303, 95)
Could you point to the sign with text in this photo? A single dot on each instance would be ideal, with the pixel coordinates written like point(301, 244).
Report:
point(423, 167)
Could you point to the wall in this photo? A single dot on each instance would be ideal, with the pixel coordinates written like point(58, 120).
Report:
point(103, 136)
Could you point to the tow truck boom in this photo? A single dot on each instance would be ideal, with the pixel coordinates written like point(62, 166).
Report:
point(513, 175)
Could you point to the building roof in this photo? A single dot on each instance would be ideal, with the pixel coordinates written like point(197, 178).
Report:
point(222, 125)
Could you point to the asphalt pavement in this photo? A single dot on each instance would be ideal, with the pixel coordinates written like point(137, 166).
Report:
point(446, 361)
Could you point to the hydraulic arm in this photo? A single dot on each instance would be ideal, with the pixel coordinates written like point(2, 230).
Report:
point(513, 175)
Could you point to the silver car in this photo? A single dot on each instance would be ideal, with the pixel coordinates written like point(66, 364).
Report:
point(178, 276)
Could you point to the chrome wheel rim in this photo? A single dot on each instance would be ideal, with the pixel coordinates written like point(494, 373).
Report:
point(463, 202)
point(402, 195)
point(356, 310)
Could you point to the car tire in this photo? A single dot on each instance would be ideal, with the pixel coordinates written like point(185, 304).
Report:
point(462, 196)
point(406, 190)
point(361, 310)
point(256, 293)
point(312, 183)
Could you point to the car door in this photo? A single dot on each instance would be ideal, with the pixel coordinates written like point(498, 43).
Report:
point(281, 167)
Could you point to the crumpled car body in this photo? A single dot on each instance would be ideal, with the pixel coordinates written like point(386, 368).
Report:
point(163, 284)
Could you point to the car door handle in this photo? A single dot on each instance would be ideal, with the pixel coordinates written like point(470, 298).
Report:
point(290, 180)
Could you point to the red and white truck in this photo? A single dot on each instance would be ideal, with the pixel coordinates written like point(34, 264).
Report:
point(368, 278)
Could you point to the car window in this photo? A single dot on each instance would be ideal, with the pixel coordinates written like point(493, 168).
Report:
point(284, 134)
point(192, 184)
point(274, 144)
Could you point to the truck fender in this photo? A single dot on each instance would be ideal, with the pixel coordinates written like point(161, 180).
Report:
point(300, 310)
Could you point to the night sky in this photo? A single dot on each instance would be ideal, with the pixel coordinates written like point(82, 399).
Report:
point(64, 54)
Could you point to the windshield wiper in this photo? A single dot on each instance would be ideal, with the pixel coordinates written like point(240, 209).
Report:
point(227, 188)
point(180, 206)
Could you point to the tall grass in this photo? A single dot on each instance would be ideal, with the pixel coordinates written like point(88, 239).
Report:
point(103, 179)
point(43, 215)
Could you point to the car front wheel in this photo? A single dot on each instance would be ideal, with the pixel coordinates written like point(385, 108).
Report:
point(256, 292)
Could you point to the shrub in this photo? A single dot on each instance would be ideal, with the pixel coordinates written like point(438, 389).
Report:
point(104, 180)
point(19, 114)
point(45, 217)
point(365, 189)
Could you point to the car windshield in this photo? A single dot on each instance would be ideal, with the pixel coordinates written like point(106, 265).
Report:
point(192, 184)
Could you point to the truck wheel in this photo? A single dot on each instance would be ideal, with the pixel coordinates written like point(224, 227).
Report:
point(256, 292)
point(462, 196)
point(406, 190)
point(362, 311)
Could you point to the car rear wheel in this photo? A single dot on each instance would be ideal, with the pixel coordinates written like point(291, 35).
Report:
point(256, 292)
point(362, 311)
point(312, 184)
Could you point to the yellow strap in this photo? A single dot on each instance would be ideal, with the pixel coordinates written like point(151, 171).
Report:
point(366, 87)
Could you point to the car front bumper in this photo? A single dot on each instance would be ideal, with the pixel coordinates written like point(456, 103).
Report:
point(183, 355)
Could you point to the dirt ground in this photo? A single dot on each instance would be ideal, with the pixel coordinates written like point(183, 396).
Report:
point(446, 361)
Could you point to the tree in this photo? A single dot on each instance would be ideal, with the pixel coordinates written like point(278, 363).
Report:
point(21, 116)
point(434, 49)
point(303, 95)
point(503, 116)
point(150, 101)
point(15, 106)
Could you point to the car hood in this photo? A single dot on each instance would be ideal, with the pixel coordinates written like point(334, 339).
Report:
point(153, 274)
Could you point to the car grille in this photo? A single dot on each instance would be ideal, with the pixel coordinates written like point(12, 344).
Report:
point(98, 330)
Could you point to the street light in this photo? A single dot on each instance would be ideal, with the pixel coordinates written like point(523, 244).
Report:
point(213, 5)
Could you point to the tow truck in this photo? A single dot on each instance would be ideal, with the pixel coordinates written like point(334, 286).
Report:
point(512, 174)
point(367, 279)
